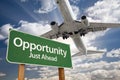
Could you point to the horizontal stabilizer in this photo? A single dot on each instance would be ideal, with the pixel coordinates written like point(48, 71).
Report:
point(94, 51)
point(88, 52)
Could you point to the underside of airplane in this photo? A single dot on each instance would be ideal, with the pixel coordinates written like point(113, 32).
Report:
point(73, 28)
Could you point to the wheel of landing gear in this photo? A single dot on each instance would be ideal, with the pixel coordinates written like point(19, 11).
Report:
point(66, 37)
point(83, 34)
point(63, 37)
point(80, 34)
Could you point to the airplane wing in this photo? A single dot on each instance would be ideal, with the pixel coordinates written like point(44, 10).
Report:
point(84, 26)
point(107, 25)
point(101, 26)
point(51, 35)
point(48, 34)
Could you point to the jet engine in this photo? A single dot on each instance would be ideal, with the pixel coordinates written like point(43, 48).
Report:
point(54, 27)
point(84, 21)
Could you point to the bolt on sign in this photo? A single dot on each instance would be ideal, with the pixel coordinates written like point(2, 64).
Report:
point(28, 49)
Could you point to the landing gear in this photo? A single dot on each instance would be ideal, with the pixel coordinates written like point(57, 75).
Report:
point(65, 35)
point(82, 32)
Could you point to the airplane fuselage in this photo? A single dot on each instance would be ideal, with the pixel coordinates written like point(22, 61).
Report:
point(69, 28)
point(75, 29)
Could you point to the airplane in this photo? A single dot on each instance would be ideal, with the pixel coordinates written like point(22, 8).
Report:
point(75, 29)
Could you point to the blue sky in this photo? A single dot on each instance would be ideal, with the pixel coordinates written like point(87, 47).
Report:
point(33, 16)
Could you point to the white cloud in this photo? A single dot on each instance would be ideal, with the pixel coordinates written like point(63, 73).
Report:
point(0, 59)
point(114, 53)
point(2, 74)
point(27, 27)
point(97, 71)
point(88, 63)
point(105, 11)
point(76, 11)
point(105, 75)
point(52, 78)
point(92, 36)
point(6, 41)
point(4, 30)
point(30, 69)
point(1, 36)
point(75, 1)
point(23, 0)
point(83, 69)
point(34, 28)
point(46, 6)
point(95, 75)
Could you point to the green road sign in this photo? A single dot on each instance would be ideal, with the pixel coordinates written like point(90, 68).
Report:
point(28, 49)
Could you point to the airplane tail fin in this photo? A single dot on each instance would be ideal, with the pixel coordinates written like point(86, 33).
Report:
point(88, 52)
